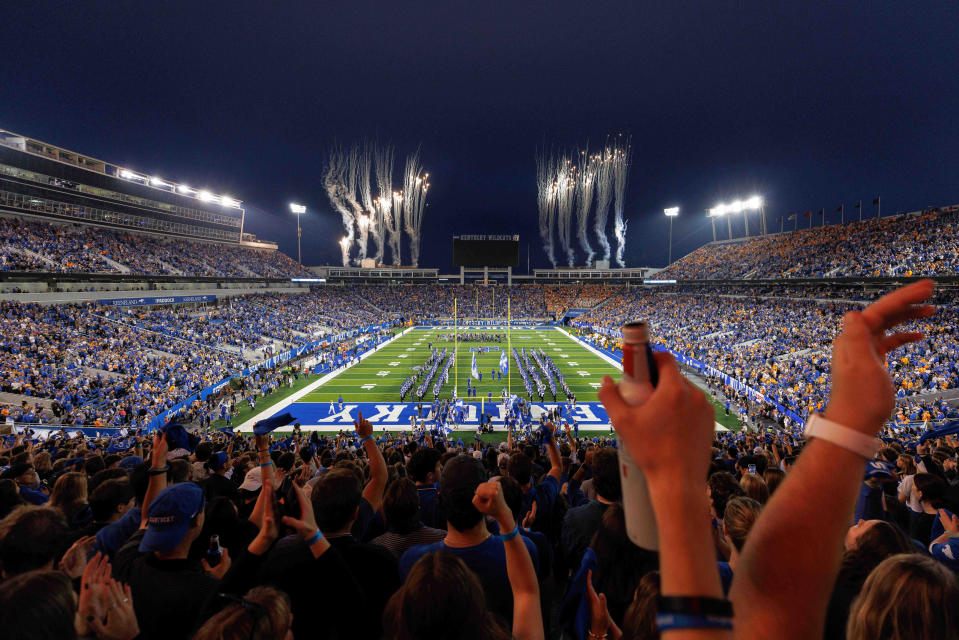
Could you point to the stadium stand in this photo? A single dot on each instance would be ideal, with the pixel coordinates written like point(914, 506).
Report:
point(923, 243)
point(41, 246)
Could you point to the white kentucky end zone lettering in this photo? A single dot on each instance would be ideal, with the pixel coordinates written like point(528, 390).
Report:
point(395, 416)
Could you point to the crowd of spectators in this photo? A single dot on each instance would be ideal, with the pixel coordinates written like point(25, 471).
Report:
point(179, 535)
point(779, 347)
point(122, 368)
point(910, 244)
point(85, 249)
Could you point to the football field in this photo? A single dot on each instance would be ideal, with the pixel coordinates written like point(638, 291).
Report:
point(378, 377)
point(373, 385)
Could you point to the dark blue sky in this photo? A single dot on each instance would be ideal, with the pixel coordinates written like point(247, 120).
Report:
point(810, 104)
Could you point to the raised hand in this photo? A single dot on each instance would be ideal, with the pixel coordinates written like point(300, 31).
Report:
point(92, 602)
point(363, 427)
point(530, 516)
point(160, 449)
point(74, 561)
point(672, 431)
point(489, 501)
point(305, 525)
point(120, 622)
point(949, 522)
point(599, 619)
point(863, 395)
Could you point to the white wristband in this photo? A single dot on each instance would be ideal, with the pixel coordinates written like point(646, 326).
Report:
point(849, 439)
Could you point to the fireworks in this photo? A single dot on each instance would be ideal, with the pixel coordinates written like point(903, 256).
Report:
point(620, 167)
point(349, 183)
point(563, 186)
point(334, 180)
point(414, 200)
point(546, 202)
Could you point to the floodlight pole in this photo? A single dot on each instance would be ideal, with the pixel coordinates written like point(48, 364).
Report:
point(671, 213)
point(298, 210)
point(712, 219)
point(669, 259)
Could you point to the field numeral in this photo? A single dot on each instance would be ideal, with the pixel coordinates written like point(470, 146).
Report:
point(383, 373)
point(394, 364)
point(595, 385)
point(367, 387)
point(584, 374)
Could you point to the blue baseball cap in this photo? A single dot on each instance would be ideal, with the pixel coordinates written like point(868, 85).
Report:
point(217, 460)
point(130, 462)
point(169, 516)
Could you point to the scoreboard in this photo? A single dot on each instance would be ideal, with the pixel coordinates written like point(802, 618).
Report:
point(486, 251)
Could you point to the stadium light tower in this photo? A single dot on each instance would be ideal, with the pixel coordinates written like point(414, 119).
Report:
point(671, 213)
point(299, 210)
point(739, 206)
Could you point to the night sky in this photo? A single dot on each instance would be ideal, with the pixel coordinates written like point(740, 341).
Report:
point(810, 104)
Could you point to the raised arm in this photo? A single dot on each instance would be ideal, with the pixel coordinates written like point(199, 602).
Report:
point(527, 617)
point(791, 558)
point(670, 438)
point(555, 461)
point(158, 472)
point(373, 492)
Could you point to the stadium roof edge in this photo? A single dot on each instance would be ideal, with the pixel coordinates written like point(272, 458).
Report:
point(53, 152)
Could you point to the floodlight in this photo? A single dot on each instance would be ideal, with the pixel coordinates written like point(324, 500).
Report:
point(754, 202)
point(205, 196)
point(297, 208)
point(229, 202)
point(671, 211)
point(184, 189)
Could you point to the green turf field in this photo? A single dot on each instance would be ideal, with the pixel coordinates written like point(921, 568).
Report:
point(378, 377)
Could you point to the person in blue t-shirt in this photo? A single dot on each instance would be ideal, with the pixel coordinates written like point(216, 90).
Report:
point(24, 474)
point(424, 468)
point(468, 537)
point(543, 494)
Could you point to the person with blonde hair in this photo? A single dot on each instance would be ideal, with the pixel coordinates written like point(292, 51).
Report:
point(70, 496)
point(755, 487)
point(264, 613)
point(740, 516)
point(906, 597)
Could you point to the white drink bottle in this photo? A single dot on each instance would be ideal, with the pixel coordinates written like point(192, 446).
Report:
point(639, 379)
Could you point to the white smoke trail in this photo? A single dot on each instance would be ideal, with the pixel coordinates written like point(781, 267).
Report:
point(565, 192)
point(546, 202)
point(414, 200)
point(384, 198)
point(604, 196)
point(585, 185)
point(621, 160)
point(333, 183)
point(350, 191)
point(396, 228)
point(366, 220)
